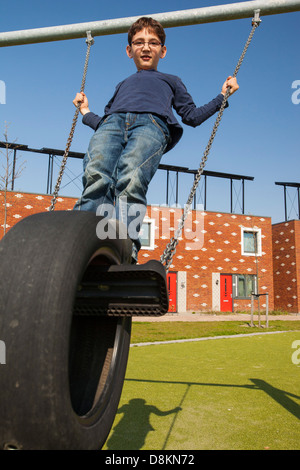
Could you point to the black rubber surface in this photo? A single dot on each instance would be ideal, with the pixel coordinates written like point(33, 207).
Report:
point(63, 377)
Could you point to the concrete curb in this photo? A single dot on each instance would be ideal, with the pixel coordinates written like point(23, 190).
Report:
point(193, 317)
point(190, 340)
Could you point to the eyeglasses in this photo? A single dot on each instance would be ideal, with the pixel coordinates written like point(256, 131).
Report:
point(139, 44)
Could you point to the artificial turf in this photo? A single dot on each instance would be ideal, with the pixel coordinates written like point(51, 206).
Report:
point(239, 393)
point(173, 330)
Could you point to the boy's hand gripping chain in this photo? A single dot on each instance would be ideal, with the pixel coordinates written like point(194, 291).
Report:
point(170, 250)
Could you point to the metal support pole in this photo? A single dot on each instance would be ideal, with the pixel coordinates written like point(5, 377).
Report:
point(243, 196)
point(267, 310)
point(167, 194)
point(232, 11)
point(50, 174)
point(205, 188)
point(13, 170)
point(285, 208)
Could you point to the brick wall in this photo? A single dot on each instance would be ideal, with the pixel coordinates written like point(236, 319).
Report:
point(286, 254)
point(210, 245)
point(20, 205)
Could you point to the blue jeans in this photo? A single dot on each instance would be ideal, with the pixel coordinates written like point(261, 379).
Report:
point(122, 158)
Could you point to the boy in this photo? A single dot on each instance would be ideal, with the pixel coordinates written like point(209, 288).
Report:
point(138, 127)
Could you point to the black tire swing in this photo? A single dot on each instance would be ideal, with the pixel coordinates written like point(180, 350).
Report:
point(61, 385)
point(66, 303)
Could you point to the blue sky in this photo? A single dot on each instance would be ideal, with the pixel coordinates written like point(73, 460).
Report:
point(259, 133)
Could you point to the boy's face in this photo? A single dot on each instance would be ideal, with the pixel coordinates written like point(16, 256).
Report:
point(146, 56)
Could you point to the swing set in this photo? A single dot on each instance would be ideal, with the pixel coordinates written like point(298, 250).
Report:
point(66, 304)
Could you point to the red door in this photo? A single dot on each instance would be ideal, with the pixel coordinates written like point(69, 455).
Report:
point(226, 292)
point(172, 291)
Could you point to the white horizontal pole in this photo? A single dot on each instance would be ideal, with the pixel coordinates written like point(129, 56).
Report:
point(232, 11)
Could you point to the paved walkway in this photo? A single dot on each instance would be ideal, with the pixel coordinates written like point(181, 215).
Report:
point(215, 317)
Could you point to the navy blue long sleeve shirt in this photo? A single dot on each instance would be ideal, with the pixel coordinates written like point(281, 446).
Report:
point(150, 91)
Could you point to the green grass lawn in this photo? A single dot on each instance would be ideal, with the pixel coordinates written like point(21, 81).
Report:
point(234, 393)
point(166, 331)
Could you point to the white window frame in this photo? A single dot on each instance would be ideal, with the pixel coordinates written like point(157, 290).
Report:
point(151, 223)
point(258, 235)
point(235, 286)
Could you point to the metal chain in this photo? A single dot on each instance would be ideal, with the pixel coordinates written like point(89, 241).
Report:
point(170, 250)
point(90, 42)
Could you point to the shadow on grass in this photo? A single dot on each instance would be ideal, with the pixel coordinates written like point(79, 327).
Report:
point(131, 431)
point(280, 396)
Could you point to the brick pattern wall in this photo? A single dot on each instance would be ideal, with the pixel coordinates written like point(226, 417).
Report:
point(20, 205)
point(210, 243)
point(286, 254)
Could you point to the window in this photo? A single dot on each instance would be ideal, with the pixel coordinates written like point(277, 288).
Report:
point(251, 241)
point(147, 234)
point(244, 285)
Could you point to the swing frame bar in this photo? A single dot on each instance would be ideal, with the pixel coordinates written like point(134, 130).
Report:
point(232, 11)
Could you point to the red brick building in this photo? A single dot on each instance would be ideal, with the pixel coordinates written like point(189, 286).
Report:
point(286, 255)
point(220, 259)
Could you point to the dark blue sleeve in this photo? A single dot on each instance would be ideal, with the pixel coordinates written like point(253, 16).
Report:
point(92, 120)
point(189, 112)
